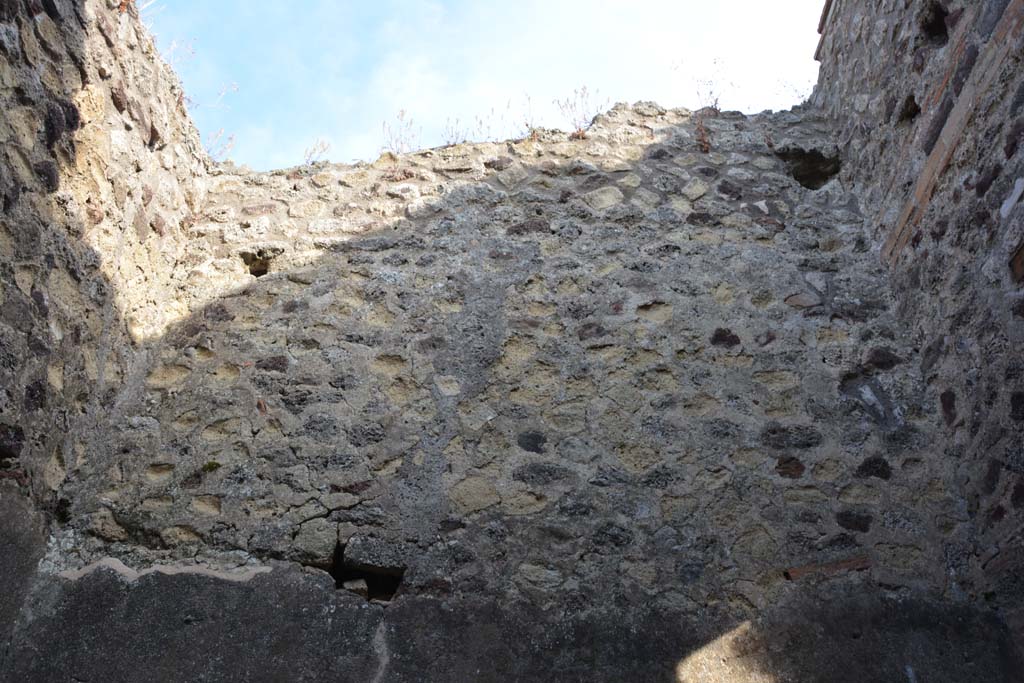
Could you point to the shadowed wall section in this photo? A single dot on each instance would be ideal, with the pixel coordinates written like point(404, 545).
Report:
point(929, 101)
point(612, 408)
point(100, 164)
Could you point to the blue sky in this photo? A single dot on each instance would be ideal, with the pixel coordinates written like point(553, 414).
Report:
point(334, 70)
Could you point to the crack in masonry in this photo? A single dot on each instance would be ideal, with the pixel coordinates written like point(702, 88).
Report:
point(322, 515)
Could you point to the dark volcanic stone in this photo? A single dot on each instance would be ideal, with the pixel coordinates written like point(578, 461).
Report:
point(12, 439)
point(947, 399)
point(875, 467)
point(48, 175)
point(854, 521)
point(882, 358)
point(531, 225)
point(532, 442)
point(724, 337)
point(540, 473)
point(778, 435)
point(612, 534)
point(1017, 406)
point(790, 467)
point(376, 554)
point(499, 164)
point(35, 396)
point(365, 434)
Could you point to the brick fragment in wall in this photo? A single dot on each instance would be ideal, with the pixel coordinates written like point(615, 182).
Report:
point(963, 69)
point(1017, 264)
point(936, 122)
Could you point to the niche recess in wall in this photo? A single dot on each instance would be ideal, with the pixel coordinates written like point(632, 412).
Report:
point(257, 261)
point(909, 111)
point(373, 583)
point(933, 24)
point(810, 167)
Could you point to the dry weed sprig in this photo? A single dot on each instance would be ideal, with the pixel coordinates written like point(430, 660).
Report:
point(494, 125)
point(402, 137)
point(528, 129)
point(579, 109)
point(316, 152)
point(709, 89)
point(454, 132)
point(177, 53)
point(219, 146)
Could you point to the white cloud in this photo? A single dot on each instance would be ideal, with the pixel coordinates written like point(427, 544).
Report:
point(460, 59)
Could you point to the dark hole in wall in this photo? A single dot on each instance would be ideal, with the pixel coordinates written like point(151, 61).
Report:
point(909, 110)
point(373, 583)
point(256, 263)
point(810, 167)
point(947, 399)
point(62, 510)
point(933, 24)
point(12, 439)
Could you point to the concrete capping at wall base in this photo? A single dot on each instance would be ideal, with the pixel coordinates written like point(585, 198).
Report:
point(1008, 31)
point(130, 575)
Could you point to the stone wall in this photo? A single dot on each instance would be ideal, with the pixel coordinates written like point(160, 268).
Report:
point(929, 102)
point(637, 405)
point(678, 369)
point(99, 162)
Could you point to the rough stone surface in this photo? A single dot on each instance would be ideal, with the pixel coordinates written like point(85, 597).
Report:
point(561, 396)
point(607, 407)
point(953, 274)
point(282, 626)
point(21, 547)
point(204, 628)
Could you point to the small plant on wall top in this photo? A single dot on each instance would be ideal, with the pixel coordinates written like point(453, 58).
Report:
point(528, 129)
point(401, 136)
point(219, 146)
point(318, 151)
point(579, 109)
